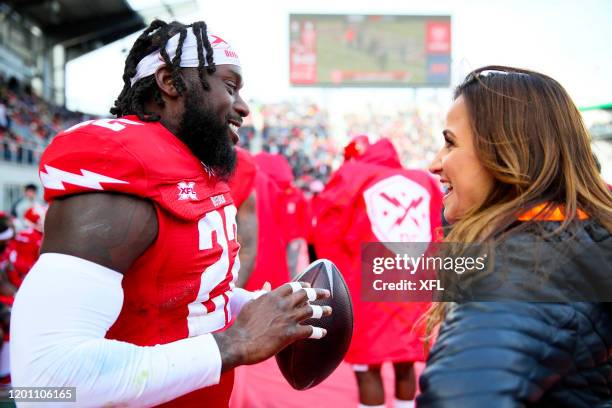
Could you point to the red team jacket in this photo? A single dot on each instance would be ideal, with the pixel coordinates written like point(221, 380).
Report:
point(374, 199)
point(297, 219)
point(243, 180)
point(271, 259)
point(180, 287)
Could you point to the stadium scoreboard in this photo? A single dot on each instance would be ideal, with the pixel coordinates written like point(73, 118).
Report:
point(369, 50)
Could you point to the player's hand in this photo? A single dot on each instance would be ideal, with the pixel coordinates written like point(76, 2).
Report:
point(270, 323)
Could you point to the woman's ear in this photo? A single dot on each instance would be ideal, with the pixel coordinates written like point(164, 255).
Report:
point(163, 77)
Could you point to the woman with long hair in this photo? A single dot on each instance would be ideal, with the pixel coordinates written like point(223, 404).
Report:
point(518, 168)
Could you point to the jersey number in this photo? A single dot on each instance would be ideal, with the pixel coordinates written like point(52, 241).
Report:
point(213, 222)
point(208, 314)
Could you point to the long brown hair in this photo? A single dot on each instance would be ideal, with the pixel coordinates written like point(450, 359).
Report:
point(530, 137)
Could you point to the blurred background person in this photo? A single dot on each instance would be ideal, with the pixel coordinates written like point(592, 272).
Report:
point(24, 249)
point(242, 185)
point(262, 248)
point(7, 293)
point(7, 236)
point(19, 208)
point(372, 198)
point(518, 169)
point(295, 218)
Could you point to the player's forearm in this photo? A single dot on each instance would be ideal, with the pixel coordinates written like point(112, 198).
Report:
point(64, 345)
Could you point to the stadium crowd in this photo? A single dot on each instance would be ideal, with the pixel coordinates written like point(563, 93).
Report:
point(301, 132)
point(411, 130)
point(28, 122)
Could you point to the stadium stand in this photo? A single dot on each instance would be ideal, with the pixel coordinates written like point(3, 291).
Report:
point(37, 39)
point(29, 122)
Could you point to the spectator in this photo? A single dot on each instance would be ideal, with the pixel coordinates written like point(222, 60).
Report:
point(29, 200)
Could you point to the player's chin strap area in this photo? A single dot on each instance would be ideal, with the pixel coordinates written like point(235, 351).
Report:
point(59, 319)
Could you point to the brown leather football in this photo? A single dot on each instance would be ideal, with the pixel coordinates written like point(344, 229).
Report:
point(308, 362)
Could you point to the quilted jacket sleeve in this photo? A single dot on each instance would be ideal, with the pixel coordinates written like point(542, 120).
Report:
point(493, 354)
point(545, 348)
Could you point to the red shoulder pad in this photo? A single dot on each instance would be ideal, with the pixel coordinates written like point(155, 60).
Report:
point(86, 158)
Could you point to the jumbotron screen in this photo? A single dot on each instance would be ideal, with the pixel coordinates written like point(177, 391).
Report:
point(369, 50)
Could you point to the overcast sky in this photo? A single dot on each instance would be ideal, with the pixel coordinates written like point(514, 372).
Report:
point(568, 40)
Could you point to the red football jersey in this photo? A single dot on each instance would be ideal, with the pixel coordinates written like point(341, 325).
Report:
point(374, 199)
point(271, 259)
point(180, 287)
point(24, 250)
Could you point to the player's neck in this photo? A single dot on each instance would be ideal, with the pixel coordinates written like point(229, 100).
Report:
point(170, 125)
point(169, 116)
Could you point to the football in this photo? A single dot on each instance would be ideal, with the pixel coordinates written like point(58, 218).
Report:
point(308, 362)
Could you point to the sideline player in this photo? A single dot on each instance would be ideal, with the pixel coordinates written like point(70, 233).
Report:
point(260, 222)
point(295, 220)
point(371, 198)
point(242, 188)
point(24, 249)
point(7, 293)
point(140, 247)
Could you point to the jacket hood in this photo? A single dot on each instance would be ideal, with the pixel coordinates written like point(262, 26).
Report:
point(382, 153)
point(276, 167)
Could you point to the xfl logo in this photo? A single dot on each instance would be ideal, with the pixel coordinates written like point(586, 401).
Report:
point(186, 191)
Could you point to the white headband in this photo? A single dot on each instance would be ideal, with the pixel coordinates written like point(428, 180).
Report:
point(222, 55)
point(7, 234)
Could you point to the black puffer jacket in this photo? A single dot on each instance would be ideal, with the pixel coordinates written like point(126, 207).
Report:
point(528, 354)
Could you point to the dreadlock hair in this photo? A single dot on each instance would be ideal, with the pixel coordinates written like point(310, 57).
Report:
point(132, 99)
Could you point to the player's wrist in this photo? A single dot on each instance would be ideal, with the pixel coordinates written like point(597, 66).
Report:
point(231, 351)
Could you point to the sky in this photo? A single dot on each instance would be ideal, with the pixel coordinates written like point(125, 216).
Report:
point(568, 40)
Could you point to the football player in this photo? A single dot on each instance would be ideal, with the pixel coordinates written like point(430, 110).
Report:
point(24, 249)
point(295, 219)
point(140, 242)
point(7, 293)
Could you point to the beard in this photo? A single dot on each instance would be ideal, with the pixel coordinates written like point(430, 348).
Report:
point(207, 136)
